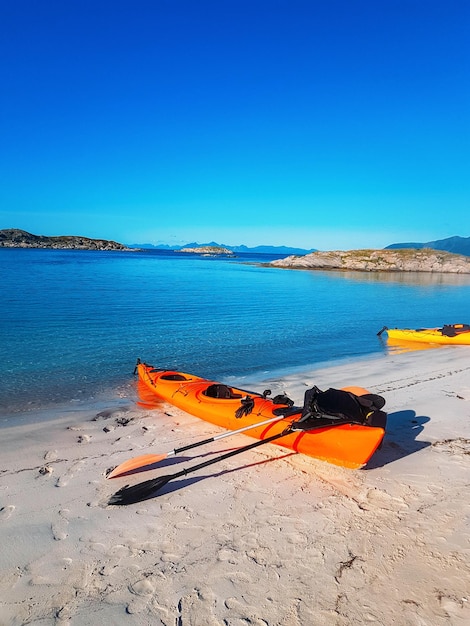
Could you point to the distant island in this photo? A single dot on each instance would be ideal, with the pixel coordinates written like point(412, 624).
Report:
point(281, 250)
point(406, 257)
point(16, 238)
point(208, 251)
point(387, 260)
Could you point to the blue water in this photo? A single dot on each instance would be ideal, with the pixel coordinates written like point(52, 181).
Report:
point(74, 322)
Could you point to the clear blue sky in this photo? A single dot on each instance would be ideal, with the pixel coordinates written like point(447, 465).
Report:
point(331, 124)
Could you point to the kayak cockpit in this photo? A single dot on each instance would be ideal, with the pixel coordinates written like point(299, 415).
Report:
point(177, 377)
point(221, 392)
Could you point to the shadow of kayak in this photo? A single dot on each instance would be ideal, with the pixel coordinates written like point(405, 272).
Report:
point(400, 438)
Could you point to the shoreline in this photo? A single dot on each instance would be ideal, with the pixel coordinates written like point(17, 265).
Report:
point(268, 537)
point(125, 392)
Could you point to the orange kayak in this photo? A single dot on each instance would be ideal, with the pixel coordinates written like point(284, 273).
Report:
point(348, 445)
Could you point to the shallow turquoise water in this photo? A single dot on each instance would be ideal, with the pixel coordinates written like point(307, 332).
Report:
point(74, 322)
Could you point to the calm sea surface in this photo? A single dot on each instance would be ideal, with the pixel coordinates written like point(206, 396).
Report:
point(74, 322)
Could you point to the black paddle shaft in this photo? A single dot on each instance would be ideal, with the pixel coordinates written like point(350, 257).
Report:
point(193, 445)
point(141, 491)
point(227, 455)
point(131, 494)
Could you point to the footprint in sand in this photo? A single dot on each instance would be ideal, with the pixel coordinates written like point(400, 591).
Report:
point(59, 528)
point(198, 608)
point(51, 455)
point(383, 500)
point(63, 615)
point(6, 511)
point(145, 592)
point(142, 587)
point(63, 480)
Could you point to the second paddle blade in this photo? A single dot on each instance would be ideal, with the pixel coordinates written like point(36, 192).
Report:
point(137, 463)
point(130, 494)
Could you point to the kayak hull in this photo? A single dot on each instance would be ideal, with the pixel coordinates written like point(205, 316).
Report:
point(428, 335)
point(347, 445)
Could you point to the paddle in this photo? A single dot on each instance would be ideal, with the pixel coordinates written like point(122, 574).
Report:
point(146, 489)
point(148, 459)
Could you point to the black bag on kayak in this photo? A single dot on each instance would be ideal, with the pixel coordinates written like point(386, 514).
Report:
point(338, 405)
point(452, 330)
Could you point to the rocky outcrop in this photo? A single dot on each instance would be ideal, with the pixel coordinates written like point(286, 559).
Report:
point(15, 238)
point(424, 260)
point(208, 250)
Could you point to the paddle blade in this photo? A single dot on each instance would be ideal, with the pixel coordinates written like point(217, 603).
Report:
point(141, 491)
point(136, 463)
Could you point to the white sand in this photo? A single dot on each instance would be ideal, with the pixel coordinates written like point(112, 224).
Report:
point(265, 538)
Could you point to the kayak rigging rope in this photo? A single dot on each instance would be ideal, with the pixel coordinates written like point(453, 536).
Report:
point(246, 407)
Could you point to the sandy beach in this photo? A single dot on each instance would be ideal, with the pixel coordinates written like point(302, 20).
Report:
point(266, 538)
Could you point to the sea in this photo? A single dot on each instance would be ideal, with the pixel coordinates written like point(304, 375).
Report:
point(74, 322)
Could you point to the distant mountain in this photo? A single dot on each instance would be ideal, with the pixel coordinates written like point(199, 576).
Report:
point(456, 245)
point(240, 249)
point(149, 246)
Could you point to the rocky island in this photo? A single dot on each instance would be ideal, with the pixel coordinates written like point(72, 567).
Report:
point(208, 250)
point(16, 238)
point(373, 260)
point(402, 260)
